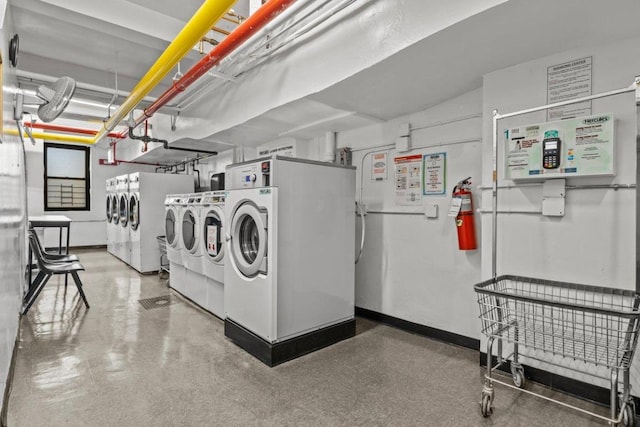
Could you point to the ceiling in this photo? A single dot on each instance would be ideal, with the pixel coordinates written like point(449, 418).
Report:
point(92, 40)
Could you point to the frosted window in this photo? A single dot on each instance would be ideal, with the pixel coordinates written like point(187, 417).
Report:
point(66, 178)
point(65, 163)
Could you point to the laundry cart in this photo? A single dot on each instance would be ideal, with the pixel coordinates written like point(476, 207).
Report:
point(562, 323)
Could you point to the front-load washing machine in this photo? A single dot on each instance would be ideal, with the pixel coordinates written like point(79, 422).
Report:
point(123, 243)
point(172, 226)
point(191, 234)
point(212, 242)
point(109, 213)
point(289, 273)
point(147, 192)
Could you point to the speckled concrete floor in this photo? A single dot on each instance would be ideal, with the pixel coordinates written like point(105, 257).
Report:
point(118, 364)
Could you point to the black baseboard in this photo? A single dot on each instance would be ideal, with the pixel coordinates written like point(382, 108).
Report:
point(416, 328)
point(9, 383)
point(280, 352)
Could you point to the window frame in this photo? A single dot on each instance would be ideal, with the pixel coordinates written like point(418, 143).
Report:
point(86, 179)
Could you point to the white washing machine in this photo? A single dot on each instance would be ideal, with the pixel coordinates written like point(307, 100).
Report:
point(147, 193)
point(172, 227)
point(289, 273)
point(191, 235)
point(122, 240)
point(109, 213)
point(213, 248)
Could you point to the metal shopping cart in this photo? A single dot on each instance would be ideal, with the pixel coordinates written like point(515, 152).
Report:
point(565, 322)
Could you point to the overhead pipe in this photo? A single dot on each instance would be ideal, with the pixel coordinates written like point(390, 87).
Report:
point(165, 144)
point(53, 137)
point(197, 27)
point(242, 33)
point(70, 129)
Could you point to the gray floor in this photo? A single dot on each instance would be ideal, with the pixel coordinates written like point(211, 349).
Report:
point(118, 364)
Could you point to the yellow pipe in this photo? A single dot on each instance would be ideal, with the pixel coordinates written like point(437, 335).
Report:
point(197, 27)
point(53, 137)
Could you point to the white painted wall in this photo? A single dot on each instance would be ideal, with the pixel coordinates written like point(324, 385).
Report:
point(411, 267)
point(594, 243)
point(88, 227)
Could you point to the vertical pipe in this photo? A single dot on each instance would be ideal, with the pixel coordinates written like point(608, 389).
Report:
point(494, 216)
point(330, 146)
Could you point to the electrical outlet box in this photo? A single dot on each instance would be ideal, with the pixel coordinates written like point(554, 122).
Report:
point(403, 144)
point(431, 211)
point(404, 129)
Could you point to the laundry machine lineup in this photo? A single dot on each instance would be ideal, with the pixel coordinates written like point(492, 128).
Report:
point(110, 211)
point(138, 215)
point(289, 273)
point(172, 226)
point(191, 236)
point(213, 250)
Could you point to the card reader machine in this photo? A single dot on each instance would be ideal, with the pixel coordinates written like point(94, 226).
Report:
point(551, 150)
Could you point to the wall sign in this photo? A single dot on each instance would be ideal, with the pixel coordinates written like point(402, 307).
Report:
point(582, 146)
point(434, 171)
point(379, 166)
point(566, 81)
point(407, 174)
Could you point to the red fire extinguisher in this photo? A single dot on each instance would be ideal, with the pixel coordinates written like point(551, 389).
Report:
point(464, 220)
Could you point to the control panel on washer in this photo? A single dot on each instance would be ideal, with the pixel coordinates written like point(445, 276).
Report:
point(252, 175)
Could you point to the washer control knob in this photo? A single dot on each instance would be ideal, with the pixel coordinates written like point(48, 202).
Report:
point(253, 177)
point(227, 237)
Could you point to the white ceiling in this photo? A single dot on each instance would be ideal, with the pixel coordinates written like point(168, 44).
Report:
point(92, 39)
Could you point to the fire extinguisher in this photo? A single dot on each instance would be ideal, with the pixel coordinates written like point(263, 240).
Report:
point(465, 224)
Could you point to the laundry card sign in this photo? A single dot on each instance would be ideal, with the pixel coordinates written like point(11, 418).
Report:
point(213, 239)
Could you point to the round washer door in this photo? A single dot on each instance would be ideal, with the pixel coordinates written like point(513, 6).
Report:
point(249, 239)
point(108, 210)
point(123, 207)
point(212, 232)
point(115, 216)
point(170, 227)
point(134, 212)
point(189, 230)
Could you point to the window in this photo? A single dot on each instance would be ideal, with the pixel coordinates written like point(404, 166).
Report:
point(66, 178)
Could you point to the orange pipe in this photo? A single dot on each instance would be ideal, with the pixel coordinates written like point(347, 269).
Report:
point(252, 25)
point(69, 129)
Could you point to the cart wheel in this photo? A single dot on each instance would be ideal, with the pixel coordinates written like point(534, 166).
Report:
point(519, 380)
point(629, 415)
point(485, 405)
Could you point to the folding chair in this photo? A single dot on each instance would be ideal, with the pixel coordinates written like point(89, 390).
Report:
point(48, 256)
point(48, 269)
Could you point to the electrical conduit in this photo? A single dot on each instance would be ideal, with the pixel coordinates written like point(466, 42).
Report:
point(242, 33)
point(197, 27)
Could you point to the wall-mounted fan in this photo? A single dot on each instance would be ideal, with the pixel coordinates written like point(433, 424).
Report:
point(51, 100)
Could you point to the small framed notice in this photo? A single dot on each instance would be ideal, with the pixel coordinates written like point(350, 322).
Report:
point(434, 174)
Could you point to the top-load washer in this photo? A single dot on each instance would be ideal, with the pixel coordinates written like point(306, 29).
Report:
point(289, 267)
point(147, 193)
point(213, 251)
point(122, 241)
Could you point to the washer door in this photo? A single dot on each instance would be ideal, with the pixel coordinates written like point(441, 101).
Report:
point(123, 207)
point(212, 232)
point(108, 210)
point(134, 212)
point(115, 217)
point(249, 239)
point(189, 231)
point(170, 227)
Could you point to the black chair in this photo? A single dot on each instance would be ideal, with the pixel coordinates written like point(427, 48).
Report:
point(48, 256)
point(48, 269)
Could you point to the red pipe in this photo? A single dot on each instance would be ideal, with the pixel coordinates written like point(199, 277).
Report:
point(253, 24)
point(69, 129)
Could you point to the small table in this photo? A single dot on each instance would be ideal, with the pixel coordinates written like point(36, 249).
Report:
point(50, 221)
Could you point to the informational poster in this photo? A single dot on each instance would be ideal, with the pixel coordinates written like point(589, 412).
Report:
point(570, 80)
point(408, 174)
point(565, 148)
point(434, 171)
point(379, 166)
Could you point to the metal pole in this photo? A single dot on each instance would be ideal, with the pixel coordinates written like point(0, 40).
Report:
point(494, 209)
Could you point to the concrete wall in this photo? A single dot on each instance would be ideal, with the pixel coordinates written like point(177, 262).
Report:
point(12, 220)
point(594, 243)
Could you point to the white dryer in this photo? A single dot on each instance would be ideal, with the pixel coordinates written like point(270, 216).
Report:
point(191, 234)
point(289, 271)
point(213, 250)
point(147, 193)
point(172, 226)
point(123, 242)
